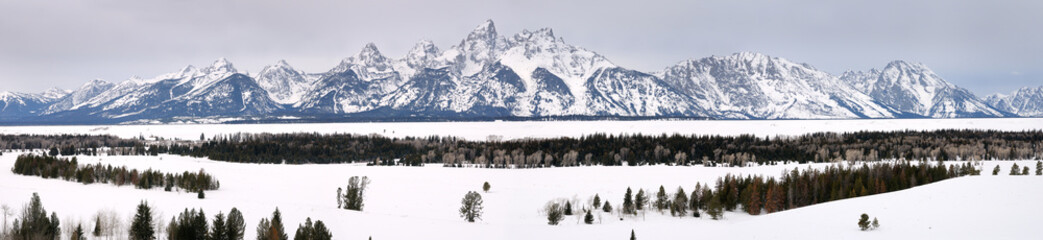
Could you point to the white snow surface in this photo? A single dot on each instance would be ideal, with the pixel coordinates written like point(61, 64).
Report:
point(543, 129)
point(422, 202)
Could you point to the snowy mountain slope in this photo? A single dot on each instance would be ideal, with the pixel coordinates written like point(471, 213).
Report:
point(83, 94)
point(623, 92)
point(284, 84)
point(20, 105)
point(1026, 102)
point(528, 74)
point(913, 88)
point(752, 85)
point(356, 85)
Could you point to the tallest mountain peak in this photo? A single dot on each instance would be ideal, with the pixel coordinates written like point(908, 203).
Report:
point(221, 65)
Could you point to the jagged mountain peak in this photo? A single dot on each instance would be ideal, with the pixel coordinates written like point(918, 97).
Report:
point(221, 65)
point(485, 31)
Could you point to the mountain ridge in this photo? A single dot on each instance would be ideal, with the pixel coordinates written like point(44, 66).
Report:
point(531, 74)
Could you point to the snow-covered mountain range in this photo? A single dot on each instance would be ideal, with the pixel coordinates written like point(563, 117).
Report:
point(1026, 102)
point(531, 74)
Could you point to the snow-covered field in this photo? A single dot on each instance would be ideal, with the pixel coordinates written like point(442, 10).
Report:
point(422, 202)
point(543, 129)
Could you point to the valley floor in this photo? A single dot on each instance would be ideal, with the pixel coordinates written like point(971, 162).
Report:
point(422, 202)
point(543, 129)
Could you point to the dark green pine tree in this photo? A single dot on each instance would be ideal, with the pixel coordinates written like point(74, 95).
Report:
point(1039, 168)
point(321, 232)
point(218, 230)
point(201, 195)
point(277, 230)
point(632, 236)
point(589, 218)
point(141, 227)
point(661, 201)
point(996, 171)
point(607, 207)
point(568, 208)
point(304, 230)
point(97, 227)
point(1014, 170)
point(641, 200)
point(78, 233)
point(628, 202)
point(597, 201)
point(235, 225)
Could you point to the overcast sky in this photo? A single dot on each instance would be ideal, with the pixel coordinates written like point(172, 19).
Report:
point(985, 46)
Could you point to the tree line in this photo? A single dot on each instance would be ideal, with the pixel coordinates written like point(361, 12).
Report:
point(755, 194)
point(35, 224)
point(594, 149)
point(603, 149)
point(70, 170)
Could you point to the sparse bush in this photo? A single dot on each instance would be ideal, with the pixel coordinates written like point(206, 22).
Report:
point(863, 222)
point(486, 186)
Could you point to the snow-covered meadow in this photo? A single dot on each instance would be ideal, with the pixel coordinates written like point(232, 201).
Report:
point(543, 129)
point(422, 202)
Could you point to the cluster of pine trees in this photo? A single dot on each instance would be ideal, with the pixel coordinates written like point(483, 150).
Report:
point(35, 224)
point(70, 170)
point(66, 144)
point(796, 188)
point(602, 149)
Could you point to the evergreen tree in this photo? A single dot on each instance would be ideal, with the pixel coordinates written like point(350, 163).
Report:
point(472, 206)
point(97, 227)
point(555, 213)
point(597, 201)
point(78, 233)
point(272, 230)
point(680, 203)
point(235, 225)
point(876, 224)
point(996, 171)
point(1014, 170)
point(486, 186)
point(1025, 170)
point(568, 208)
point(219, 229)
point(607, 207)
point(641, 200)
point(201, 195)
point(589, 218)
point(714, 208)
point(304, 231)
point(321, 232)
point(863, 222)
point(354, 194)
point(141, 227)
point(632, 236)
point(34, 223)
point(628, 202)
point(661, 201)
point(1039, 167)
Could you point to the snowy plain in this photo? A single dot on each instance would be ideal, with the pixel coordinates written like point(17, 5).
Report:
point(422, 202)
point(542, 129)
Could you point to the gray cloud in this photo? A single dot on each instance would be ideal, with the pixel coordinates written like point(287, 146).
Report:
point(65, 43)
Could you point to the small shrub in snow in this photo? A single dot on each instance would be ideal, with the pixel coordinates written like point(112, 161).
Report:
point(863, 222)
point(555, 212)
point(486, 186)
